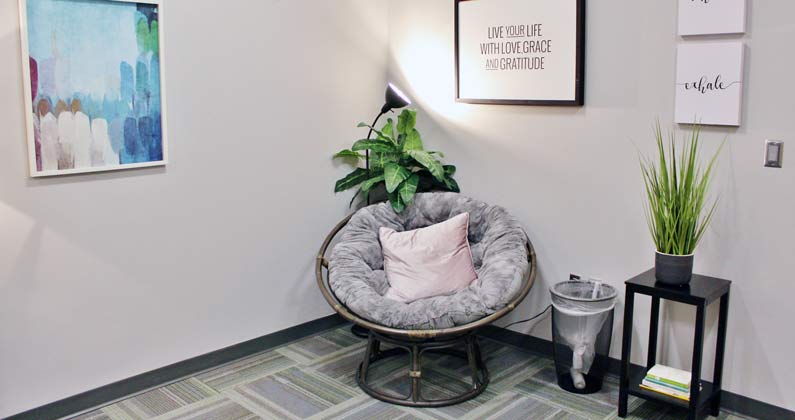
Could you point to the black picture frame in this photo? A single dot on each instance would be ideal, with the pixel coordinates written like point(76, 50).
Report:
point(579, 94)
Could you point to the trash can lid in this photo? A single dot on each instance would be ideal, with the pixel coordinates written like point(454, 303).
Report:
point(584, 291)
point(582, 298)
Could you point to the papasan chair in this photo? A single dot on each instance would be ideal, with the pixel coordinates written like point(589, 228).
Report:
point(354, 285)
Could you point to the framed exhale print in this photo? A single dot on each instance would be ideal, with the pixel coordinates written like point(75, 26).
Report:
point(709, 83)
point(520, 52)
point(94, 87)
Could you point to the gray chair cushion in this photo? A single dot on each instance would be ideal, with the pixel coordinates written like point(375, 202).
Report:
point(498, 242)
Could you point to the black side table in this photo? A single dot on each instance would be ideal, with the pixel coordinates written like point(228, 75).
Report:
point(701, 292)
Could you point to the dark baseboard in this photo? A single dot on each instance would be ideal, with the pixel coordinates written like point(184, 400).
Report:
point(730, 401)
point(102, 395)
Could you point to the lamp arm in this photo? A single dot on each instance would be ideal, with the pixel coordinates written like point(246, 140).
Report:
point(367, 152)
point(372, 126)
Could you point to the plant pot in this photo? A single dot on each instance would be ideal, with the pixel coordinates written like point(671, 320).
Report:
point(675, 270)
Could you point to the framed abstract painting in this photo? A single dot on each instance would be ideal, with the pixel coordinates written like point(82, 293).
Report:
point(94, 85)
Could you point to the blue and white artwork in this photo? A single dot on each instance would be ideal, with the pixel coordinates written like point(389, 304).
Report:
point(95, 97)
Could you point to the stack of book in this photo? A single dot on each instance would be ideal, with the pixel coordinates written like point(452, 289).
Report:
point(668, 381)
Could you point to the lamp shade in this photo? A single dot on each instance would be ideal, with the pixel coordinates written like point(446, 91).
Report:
point(394, 99)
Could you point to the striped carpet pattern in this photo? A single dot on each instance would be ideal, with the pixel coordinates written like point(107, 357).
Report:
point(315, 379)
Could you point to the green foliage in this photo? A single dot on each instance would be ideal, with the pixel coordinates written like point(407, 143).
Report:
point(413, 141)
point(374, 146)
point(389, 129)
point(370, 183)
point(395, 175)
point(348, 154)
point(677, 208)
point(429, 162)
point(351, 180)
point(399, 162)
point(406, 121)
point(397, 203)
point(409, 188)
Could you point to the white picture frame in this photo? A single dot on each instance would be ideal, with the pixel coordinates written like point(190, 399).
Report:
point(712, 17)
point(709, 83)
point(158, 156)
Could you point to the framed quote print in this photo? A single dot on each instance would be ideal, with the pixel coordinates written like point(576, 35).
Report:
point(520, 52)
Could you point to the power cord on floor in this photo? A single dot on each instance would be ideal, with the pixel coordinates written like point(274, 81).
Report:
point(529, 319)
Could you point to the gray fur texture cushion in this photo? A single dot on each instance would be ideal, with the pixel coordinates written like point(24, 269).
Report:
point(356, 269)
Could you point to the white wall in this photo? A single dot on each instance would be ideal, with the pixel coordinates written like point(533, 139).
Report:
point(571, 174)
point(106, 276)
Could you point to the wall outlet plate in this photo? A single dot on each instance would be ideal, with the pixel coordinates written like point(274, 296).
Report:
point(774, 153)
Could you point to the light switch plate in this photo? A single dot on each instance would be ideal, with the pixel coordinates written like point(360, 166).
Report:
point(774, 153)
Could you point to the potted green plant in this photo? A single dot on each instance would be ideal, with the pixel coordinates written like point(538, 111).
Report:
point(678, 209)
point(398, 162)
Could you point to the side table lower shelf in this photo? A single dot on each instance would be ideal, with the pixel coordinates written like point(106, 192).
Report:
point(705, 396)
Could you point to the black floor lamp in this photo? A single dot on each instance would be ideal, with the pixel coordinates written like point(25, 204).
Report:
point(394, 98)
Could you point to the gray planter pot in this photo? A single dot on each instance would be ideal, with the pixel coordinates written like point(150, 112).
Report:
point(674, 270)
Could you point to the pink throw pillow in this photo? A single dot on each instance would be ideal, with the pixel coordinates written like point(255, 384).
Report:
point(427, 262)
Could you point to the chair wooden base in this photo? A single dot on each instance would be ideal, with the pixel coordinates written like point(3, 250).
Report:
point(416, 349)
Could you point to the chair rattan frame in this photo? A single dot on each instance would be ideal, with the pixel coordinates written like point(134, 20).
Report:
point(417, 342)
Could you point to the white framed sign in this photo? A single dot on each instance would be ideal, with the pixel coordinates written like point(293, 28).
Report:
point(706, 17)
point(709, 83)
point(520, 52)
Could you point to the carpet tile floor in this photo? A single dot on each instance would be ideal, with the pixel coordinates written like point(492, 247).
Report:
point(314, 379)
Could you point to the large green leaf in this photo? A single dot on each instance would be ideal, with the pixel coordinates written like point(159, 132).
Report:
point(427, 160)
point(406, 121)
point(374, 145)
point(389, 130)
point(379, 135)
point(394, 174)
point(397, 203)
point(351, 180)
point(379, 159)
point(348, 154)
point(370, 183)
point(408, 188)
point(413, 141)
